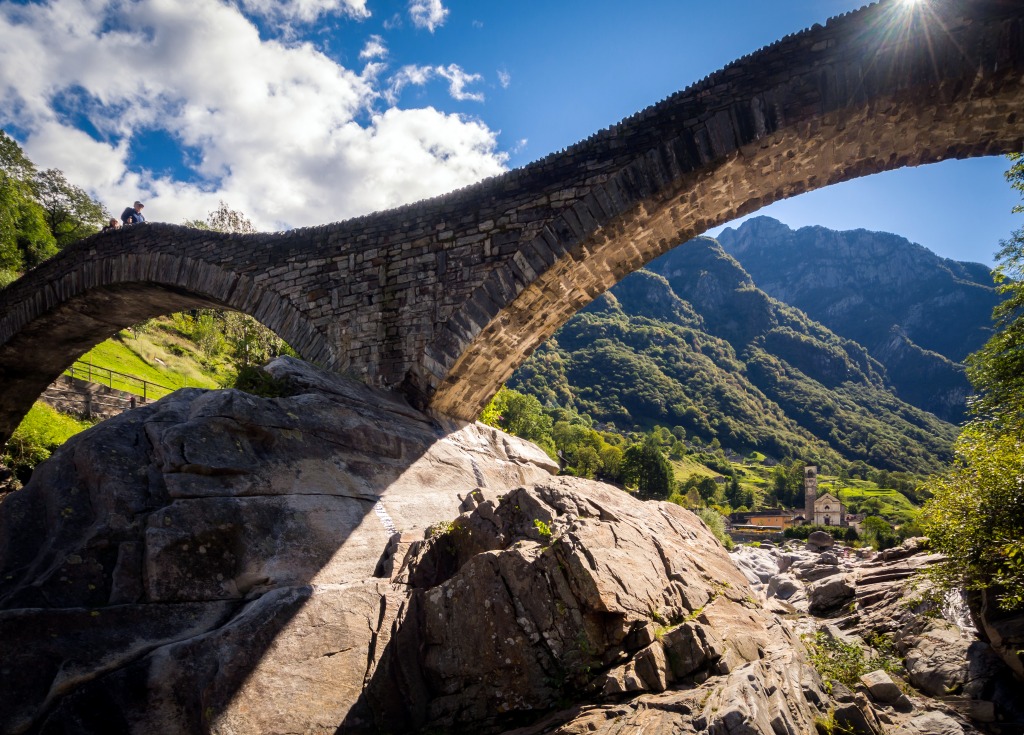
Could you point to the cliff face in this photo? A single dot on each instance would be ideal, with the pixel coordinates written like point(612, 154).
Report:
point(867, 286)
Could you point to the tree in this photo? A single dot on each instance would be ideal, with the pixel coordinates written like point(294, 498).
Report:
point(879, 533)
point(645, 468)
point(25, 239)
point(251, 343)
point(976, 515)
point(611, 462)
point(522, 416)
point(71, 213)
point(708, 489)
point(224, 219)
point(13, 161)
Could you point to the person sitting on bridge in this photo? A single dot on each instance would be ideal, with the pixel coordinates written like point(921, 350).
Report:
point(113, 224)
point(133, 215)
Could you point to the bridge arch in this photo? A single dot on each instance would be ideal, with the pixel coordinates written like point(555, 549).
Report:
point(80, 306)
point(943, 90)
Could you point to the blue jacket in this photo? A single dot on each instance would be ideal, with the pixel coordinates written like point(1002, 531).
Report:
point(130, 217)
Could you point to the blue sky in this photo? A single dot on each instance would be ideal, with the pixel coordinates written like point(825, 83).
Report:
point(300, 112)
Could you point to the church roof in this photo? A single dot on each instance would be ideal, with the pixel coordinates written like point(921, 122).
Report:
point(828, 496)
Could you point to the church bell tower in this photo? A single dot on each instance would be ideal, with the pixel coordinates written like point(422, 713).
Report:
point(810, 492)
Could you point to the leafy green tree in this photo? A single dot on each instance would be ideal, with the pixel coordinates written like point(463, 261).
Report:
point(224, 219)
point(611, 462)
point(645, 468)
point(738, 496)
point(879, 533)
point(71, 213)
point(976, 515)
point(691, 498)
point(581, 448)
point(25, 239)
point(13, 161)
point(522, 416)
point(251, 343)
point(708, 490)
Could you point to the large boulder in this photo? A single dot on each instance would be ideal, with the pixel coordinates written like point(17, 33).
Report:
point(820, 541)
point(331, 560)
point(581, 589)
point(830, 594)
point(185, 542)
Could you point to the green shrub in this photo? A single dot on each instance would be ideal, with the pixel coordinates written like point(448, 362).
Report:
point(259, 383)
point(716, 523)
point(836, 661)
point(37, 437)
point(976, 517)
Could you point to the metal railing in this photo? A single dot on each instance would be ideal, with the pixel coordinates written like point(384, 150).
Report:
point(117, 381)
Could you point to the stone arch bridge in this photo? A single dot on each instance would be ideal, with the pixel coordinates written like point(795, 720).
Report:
point(443, 299)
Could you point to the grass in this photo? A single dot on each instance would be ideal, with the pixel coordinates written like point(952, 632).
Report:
point(159, 356)
point(687, 467)
point(37, 436)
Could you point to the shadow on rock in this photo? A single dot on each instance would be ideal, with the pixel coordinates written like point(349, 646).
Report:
point(191, 565)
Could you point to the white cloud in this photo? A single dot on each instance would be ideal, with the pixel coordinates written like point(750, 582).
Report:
point(504, 78)
point(276, 129)
point(429, 14)
point(457, 81)
point(420, 75)
point(305, 11)
point(374, 48)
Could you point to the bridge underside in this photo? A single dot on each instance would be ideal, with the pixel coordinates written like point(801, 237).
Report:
point(880, 136)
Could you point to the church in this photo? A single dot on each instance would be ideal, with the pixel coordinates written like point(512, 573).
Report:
point(823, 511)
point(828, 511)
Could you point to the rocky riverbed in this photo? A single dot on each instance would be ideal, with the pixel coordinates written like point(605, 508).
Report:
point(331, 560)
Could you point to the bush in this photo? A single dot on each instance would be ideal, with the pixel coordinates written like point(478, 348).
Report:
point(976, 517)
point(879, 533)
point(716, 524)
point(845, 663)
point(259, 383)
point(37, 437)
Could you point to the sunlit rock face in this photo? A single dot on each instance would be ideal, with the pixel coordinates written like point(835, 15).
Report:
point(331, 560)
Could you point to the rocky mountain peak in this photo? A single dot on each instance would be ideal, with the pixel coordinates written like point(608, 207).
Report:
point(863, 285)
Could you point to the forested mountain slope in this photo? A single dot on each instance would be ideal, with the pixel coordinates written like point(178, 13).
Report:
point(918, 314)
point(692, 342)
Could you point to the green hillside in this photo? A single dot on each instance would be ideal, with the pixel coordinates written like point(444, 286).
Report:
point(159, 354)
point(691, 342)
